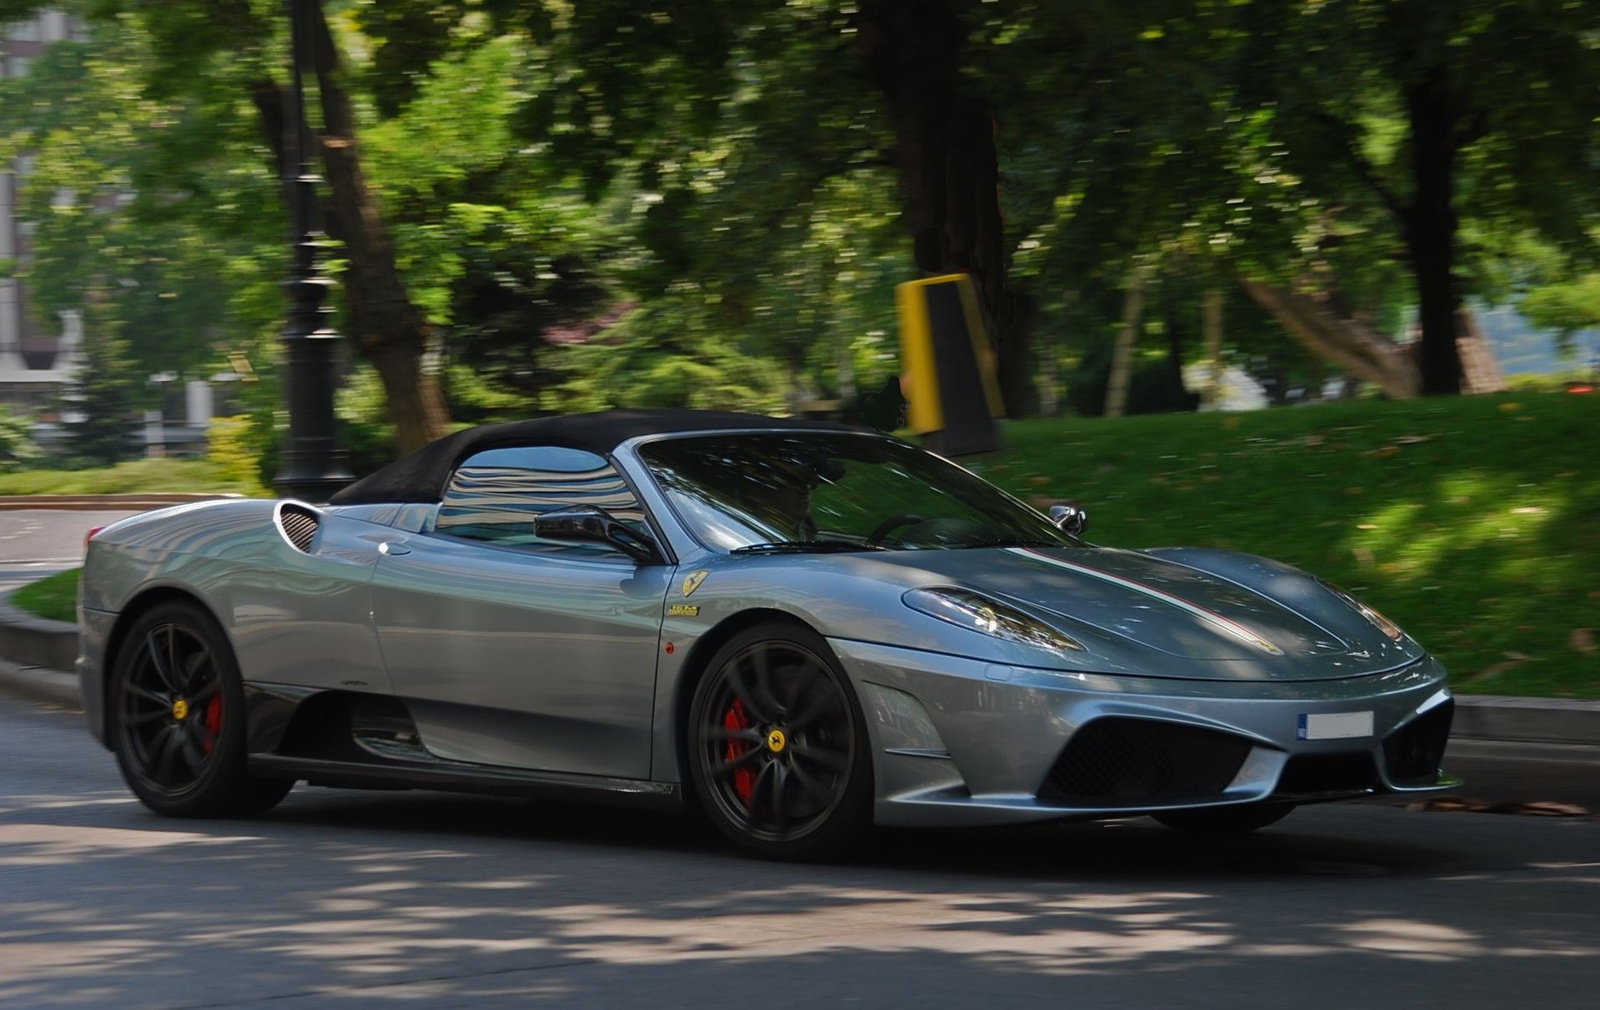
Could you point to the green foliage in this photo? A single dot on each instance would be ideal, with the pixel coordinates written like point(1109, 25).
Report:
point(99, 406)
point(17, 448)
point(658, 357)
point(54, 598)
point(688, 203)
point(189, 476)
point(1565, 307)
point(234, 453)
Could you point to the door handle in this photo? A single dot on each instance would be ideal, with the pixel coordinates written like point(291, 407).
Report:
point(393, 548)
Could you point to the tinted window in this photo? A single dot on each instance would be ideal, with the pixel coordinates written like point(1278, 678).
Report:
point(743, 491)
point(494, 495)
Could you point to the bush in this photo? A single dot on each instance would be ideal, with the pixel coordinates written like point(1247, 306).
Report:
point(17, 448)
point(233, 450)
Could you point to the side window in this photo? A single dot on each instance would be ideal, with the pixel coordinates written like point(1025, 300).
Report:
point(494, 495)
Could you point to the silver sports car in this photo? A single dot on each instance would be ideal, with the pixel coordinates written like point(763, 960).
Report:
point(793, 629)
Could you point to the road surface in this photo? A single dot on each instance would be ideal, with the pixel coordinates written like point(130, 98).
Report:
point(421, 900)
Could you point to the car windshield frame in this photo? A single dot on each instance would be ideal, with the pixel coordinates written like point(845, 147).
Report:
point(1021, 524)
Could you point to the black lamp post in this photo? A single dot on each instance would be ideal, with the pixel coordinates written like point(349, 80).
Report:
point(312, 465)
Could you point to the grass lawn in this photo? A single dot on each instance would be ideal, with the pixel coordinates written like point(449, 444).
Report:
point(55, 598)
point(150, 475)
point(1472, 522)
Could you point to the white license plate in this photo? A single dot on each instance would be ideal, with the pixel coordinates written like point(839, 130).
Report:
point(1334, 725)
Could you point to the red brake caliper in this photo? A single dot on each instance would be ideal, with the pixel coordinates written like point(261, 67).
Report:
point(744, 779)
point(214, 719)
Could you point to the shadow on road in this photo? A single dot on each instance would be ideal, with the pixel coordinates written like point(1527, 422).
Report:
point(344, 898)
point(1135, 849)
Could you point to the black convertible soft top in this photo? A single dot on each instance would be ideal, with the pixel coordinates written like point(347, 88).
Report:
point(421, 476)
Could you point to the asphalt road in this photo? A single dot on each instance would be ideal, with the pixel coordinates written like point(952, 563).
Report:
point(424, 900)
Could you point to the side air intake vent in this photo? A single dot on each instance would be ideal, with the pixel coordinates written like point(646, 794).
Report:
point(298, 524)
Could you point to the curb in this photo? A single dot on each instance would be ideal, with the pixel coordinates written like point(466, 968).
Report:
point(34, 683)
point(29, 641)
point(1527, 720)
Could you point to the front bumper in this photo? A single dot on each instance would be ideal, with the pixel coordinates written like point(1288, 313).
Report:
point(958, 741)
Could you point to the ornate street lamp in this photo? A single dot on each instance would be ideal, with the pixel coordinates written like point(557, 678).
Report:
point(312, 464)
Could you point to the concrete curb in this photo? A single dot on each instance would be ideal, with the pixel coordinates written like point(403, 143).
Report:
point(1532, 720)
point(29, 641)
point(34, 683)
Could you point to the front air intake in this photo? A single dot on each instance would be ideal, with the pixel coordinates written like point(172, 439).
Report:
point(298, 524)
point(1413, 751)
point(1121, 760)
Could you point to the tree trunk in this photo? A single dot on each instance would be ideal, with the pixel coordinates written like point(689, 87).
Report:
point(1122, 353)
point(1430, 229)
point(1346, 342)
point(1480, 372)
point(379, 314)
point(1211, 324)
point(948, 167)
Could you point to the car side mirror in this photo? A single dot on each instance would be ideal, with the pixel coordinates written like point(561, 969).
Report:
point(1070, 519)
point(588, 524)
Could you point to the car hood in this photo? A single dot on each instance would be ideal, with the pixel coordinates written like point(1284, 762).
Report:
point(1178, 612)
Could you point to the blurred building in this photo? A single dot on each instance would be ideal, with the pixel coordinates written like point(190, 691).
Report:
point(36, 357)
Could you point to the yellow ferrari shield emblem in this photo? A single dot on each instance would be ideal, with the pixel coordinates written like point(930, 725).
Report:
point(776, 741)
point(692, 581)
point(180, 710)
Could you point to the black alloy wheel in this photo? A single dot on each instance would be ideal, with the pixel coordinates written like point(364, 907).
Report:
point(177, 718)
point(1228, 820)
point(777, 746)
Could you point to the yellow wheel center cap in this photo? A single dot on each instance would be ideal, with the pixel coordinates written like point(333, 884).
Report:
point(776, 741)
point(180, 710)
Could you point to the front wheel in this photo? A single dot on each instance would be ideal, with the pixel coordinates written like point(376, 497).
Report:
point(177, 718)
point(1225, 820)
point(778, 750)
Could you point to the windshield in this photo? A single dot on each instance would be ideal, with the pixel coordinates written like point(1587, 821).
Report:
point(824, 491)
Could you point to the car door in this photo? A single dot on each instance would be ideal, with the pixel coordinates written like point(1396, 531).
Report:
point(515, 651)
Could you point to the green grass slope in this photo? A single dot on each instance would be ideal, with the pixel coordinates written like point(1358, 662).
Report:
point(1473, 522)
point(55, 598)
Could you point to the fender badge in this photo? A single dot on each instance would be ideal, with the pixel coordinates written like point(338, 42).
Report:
point(692, 581)
point(684, 610)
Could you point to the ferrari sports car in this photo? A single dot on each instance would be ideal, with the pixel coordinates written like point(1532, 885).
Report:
point(793, 629)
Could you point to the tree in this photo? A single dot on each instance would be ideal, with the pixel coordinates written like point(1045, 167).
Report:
point(210, 62)
point(1438, 110)
point(99, 406)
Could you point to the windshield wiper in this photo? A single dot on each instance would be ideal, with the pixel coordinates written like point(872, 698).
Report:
point(805, 547)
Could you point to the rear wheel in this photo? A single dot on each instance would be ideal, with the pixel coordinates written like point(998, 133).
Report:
point(778, 749)
point(178, 725)
point(1225, 820)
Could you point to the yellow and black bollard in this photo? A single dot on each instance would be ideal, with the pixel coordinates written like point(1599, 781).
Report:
point(948, 365)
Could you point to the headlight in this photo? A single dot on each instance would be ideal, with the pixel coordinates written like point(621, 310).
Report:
point(1380, 622)
point(975, 612)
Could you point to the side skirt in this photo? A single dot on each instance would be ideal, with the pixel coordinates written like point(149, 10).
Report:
point(452, 777)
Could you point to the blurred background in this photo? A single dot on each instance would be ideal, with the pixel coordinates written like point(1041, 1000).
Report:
point(546, 206)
